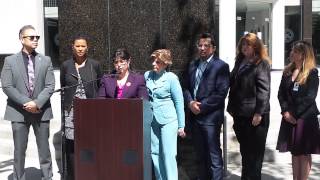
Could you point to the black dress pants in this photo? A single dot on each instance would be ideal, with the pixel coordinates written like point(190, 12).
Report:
point(70, 159)
point(252, 140)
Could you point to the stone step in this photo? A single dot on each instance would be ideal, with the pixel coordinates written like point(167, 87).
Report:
point(6, 139)
point(6, 130)
point(7, 147)
point(54, 123)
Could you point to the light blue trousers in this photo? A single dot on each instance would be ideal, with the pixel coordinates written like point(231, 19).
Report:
point(164, 150)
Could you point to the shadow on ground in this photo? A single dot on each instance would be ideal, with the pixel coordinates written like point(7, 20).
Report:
point(57, 148)
point(31, 173)
point(6, 165)
point(230, 176)
point(264, 177)
point(315, 170)
point(268, 177)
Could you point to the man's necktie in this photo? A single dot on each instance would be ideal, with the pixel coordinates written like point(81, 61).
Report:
point(202, 66)
point(30, 68)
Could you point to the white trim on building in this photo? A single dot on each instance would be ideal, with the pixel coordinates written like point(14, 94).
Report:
point(14, 15)
point(227, 29)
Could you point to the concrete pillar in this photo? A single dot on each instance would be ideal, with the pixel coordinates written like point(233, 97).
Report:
point(277, 44)
point(17, 14)
point(227, 31)
point(307, 20)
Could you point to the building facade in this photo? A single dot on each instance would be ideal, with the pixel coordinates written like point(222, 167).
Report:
point(277, 22)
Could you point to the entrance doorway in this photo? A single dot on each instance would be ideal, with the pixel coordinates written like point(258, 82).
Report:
point(254, 16)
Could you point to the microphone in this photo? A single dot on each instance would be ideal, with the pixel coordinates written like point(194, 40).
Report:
point(73, 75)
point(113, 75)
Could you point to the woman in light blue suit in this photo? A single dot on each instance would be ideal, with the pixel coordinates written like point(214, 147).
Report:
point(166, 97)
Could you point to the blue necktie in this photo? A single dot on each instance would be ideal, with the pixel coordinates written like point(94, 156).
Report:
point(202, 66)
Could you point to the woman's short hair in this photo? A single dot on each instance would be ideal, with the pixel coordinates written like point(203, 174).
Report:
point(163, 55)
point(121, 53)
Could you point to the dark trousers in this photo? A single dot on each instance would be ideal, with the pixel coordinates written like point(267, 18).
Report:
point(252, 140)
point(70, 158)
point(207, 144)
point(20, 137)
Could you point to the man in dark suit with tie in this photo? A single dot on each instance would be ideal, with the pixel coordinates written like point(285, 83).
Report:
point(206, 88)
point(27, 79)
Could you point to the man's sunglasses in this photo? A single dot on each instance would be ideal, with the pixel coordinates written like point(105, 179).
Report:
point(32, 38)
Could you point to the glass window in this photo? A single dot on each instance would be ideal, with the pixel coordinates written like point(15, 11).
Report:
point(51, 31)
point(292, 28)
point(254, 16)
point(316, 28)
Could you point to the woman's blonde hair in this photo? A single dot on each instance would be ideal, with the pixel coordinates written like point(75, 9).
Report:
point(164, 55)
point(260, 51)
point(308, 63)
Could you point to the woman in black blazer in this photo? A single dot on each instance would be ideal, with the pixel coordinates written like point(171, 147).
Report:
point(249, 103)
point(86, 73)
point(299, 131)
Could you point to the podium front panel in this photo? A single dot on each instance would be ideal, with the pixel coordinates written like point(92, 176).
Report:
point(109, 139)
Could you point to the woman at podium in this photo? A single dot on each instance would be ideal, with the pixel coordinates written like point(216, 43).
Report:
point(124, 83)
point(166, 98)
point(79, 77)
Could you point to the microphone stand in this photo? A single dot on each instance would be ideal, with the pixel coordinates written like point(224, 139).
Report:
point(63, 129)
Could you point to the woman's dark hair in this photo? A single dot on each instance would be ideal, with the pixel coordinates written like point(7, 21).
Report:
point(121, 53)
point(80, 36)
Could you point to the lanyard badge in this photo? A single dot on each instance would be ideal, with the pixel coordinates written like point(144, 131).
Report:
point(295, 86)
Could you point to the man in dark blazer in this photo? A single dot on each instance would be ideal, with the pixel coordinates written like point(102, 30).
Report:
point(27, 79)
point(206, 88)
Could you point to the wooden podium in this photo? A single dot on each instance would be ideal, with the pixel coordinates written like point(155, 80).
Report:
point(112, 139)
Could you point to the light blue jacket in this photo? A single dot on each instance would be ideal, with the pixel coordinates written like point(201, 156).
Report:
point(165, 95)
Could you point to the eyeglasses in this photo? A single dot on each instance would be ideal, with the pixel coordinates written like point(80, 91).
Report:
point(32, 38)
point(206, 46)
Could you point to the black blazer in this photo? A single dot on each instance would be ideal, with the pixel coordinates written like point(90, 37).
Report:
point(68, 77)
point(249, 89)
point(212, 90)
point(300, 102)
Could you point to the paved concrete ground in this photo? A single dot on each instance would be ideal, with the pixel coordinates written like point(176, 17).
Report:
point(277, 166)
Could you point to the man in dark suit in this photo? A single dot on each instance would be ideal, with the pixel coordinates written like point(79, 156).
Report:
point(27, 79)
point(205, 92)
